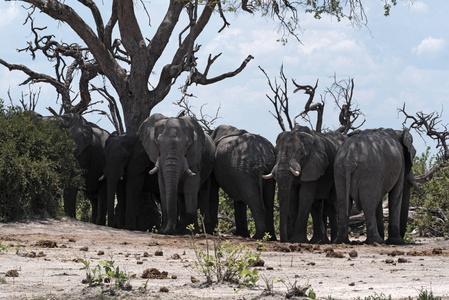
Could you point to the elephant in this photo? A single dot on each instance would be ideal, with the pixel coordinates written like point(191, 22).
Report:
point(127, 173)
point(183, 156)
point(369, 165)
point(90, 142)
point(241, 158)
point(304, 175)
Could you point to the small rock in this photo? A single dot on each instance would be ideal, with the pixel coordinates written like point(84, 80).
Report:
point(270, 268)
point(335, 254)
point(146, 254)
point(154, 273)
point(259, 263)
point(437, 251)
point(163, 289)
point(84, 248)
point(193, 279)
point(353, 254)
point(100, 252)
point(12, 273)
point(139, 262)
point(32, 254)
point(174, 277)
point(389, 261)
point(46, 244)
point(72, 240)
point(352, 284)
point(158, 253)
point(41, 254)
point(402, 260)
point(175, 256)
point(396, 253)
point(311, 263)
point(329, 249)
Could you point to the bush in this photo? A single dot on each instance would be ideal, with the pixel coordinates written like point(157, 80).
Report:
point(432, 204)
point(36, 163)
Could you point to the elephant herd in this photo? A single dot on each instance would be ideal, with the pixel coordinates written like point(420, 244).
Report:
point(173, 163)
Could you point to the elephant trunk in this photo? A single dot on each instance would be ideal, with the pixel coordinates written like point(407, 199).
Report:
point(284, 187)
point(171, 172)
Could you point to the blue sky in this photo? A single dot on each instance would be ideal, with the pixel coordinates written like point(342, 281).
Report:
point(396, 59)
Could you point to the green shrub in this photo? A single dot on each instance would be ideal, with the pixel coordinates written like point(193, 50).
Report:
point(36, 163)
point(432, 204)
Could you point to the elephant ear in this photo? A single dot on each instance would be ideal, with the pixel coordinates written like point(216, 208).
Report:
point(317, 162)
point(196, 134)
point(80, 132)
point(147, 135)
point(409, 151)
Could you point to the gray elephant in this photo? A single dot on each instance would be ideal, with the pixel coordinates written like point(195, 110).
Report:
point(184, 156)
point(241, 158)
point(127, 175)
point(369, 165)
point(304, 175)
point(90, 141)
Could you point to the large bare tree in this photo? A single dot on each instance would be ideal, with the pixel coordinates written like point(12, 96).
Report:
point(129, 61)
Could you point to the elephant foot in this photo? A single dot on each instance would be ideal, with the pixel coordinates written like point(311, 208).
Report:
point(298, 239)
point(242, 233)
point(395, 241)
point(167, 231)
point(316, 239)
point(340, 240)
point(373, 240)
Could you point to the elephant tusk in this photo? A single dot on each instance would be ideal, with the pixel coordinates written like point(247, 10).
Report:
point(186, 166)
point(296, 173)
point(190, 173)
point(101, 178)
point(121, 177)
point(154, 170)
point(156, 167)
point(268, 176)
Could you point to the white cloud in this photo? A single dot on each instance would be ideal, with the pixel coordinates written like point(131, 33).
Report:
point(429, 45)
point(419, 7)
point(8, 14)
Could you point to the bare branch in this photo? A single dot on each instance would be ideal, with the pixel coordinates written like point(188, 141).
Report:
point(427, 124)
point(342, 93)
point(318, 107)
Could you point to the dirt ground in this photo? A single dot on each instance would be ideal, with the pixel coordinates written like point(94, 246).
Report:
point(48, 265)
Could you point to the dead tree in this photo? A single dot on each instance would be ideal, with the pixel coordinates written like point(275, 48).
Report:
point(280, 99)
point(427, 124)
point(342, 93)
point(310, 106)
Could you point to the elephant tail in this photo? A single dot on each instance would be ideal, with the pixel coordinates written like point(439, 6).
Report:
point(261, 192)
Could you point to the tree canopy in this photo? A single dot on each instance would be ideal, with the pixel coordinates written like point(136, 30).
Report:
point(115, 47)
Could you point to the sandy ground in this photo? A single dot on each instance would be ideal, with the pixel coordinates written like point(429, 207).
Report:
point(48, 265)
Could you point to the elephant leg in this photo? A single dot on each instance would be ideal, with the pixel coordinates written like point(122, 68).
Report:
point(70, 201)
point(191, 189)
point(120, 209)
point(241, 221)
point(394, 208)
point(380, 220)
point(306, 198)
point(269, 190)
point(405, 203)
point(369, 202)
point(94, 205)
point(204, 204)
point(343, 204)
point(319, 218)
point(133, 189)
point(293, 210)
point(330, 213)
point(213, 204)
